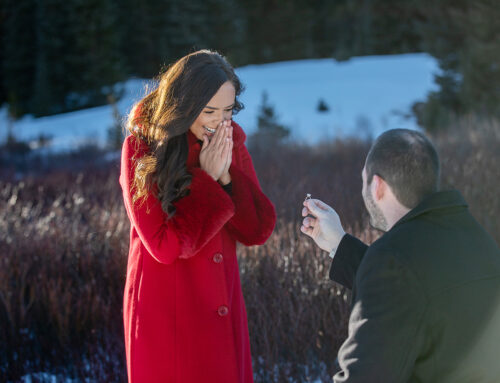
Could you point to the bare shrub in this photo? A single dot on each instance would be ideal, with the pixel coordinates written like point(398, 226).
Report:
point(64, 243)
point(470, 158)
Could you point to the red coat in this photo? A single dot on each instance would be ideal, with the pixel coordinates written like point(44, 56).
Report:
point(184, 314)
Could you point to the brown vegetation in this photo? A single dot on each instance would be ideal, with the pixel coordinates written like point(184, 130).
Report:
point(64, 243)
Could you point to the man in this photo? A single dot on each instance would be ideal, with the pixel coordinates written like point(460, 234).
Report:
point(426, 295)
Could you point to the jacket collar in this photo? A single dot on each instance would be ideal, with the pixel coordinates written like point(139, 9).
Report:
point(195, 145)
point(436, 201)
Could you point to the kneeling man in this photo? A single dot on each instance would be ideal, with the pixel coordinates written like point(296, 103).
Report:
point(426, 295)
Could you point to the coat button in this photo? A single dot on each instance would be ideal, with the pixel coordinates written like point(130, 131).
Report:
point(223, 311)
point(218, 258)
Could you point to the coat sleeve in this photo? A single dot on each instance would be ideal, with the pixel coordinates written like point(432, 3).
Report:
point(199, 215)
point(346, 261)
point(255, 216)
point(386, 323)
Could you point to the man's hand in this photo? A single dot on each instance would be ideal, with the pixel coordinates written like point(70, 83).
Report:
point(324, 227)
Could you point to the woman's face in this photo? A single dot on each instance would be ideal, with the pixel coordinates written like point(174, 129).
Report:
point(218, 109)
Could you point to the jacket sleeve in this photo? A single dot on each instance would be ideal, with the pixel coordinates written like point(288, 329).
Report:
point(255, 216)
point(385, 329)
point(199, 215)
point(346, 261)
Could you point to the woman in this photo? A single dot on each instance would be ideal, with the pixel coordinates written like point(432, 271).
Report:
point(191, 192)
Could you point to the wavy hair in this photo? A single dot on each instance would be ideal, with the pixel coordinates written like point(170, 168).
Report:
point(163, 118)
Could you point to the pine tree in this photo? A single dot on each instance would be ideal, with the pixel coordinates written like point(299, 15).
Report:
point(115, 131)
point(143, 41)
point(78, 57)
point(96, 53)
point(462, 36)
point(53, 51)
point(322, 106)
point(270, 132)
point(19, 49)
point(3, 94)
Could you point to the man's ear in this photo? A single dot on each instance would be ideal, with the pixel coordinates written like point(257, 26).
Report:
point(379, 187)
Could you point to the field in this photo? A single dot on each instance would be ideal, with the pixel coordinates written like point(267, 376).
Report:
point(64, 244)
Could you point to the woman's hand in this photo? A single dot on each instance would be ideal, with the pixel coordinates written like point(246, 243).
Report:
point(225, 178)
point(214, 152)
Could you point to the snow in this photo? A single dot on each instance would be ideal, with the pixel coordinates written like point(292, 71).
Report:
point(74, 129)
point(365, 95)
point(44, 377)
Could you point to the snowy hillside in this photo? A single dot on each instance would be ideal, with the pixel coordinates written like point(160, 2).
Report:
point(363, 95)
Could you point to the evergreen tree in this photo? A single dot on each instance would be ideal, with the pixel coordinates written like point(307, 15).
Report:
point(59, 55)
point(226, 27)
point(463, 35)
point(187, 25)
point(3, 95)
point(19, 47)
point(47, 93)
point(144, 41)
point(278, 30)
point(270, 132)
point(96, 60)
point(322, 106)
point(62, 55)
point(115, 131)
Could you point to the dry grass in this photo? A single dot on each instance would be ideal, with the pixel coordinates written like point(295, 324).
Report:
point(470, 158)
point(64, 243)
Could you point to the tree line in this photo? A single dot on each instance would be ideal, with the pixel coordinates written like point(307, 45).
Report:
point(63, 55)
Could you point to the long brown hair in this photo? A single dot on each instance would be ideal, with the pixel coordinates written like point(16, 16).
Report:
point(163, 118)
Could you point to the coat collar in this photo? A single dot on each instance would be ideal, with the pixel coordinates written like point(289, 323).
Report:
point(436, 201)
point(195, 145)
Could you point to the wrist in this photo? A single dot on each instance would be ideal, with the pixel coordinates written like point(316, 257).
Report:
point(208, 172)
point(334, 245)
point(225, 179)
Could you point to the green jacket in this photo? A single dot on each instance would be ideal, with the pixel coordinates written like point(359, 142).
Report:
point(426, 299)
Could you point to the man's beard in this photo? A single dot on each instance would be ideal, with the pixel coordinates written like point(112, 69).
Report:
point(377, 219)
